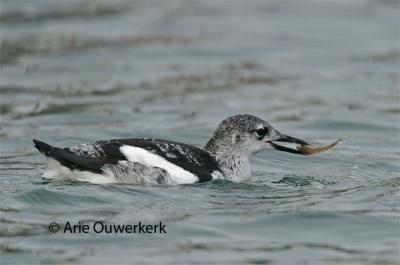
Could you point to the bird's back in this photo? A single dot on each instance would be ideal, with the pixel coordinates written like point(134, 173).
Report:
point(177, 162)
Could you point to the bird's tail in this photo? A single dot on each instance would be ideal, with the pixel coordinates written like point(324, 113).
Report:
point(43, 148)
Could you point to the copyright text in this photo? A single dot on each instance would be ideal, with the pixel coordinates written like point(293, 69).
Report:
point(104, 228)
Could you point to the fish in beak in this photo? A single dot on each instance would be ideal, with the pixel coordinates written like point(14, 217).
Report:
point(303, 147)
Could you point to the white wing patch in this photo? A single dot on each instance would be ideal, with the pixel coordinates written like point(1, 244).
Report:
point(142, 156)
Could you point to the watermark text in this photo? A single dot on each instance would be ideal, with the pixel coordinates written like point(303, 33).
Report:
point(100, 227)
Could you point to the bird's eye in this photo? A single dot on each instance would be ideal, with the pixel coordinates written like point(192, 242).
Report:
point(262, 131)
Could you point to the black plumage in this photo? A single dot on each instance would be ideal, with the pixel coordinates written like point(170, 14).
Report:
point(94, 157)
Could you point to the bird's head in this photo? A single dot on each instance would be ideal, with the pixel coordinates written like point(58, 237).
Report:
point(246, 134)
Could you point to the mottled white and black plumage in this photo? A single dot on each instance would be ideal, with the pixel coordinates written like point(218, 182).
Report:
point(141, 161)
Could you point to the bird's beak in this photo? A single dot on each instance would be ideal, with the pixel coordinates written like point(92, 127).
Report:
point(286, 139)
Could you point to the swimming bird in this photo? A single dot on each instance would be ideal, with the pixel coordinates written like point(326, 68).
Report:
point(152, 161)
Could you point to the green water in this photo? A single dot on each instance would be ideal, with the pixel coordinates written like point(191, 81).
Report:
point(79, 71)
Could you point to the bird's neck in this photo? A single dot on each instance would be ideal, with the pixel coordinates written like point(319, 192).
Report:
point(234, 163)
point(235, 168)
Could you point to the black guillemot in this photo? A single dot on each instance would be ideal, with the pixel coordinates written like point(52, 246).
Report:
point(153, 161)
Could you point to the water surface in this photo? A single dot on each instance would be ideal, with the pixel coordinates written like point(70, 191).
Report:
point(79, 71)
